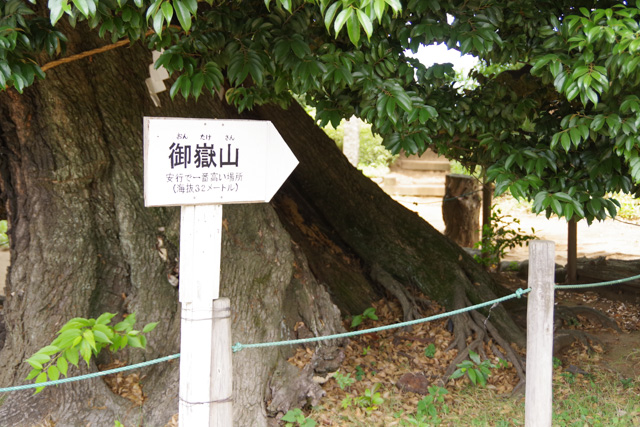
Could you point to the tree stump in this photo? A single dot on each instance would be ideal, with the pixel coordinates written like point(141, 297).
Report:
point(461, 209)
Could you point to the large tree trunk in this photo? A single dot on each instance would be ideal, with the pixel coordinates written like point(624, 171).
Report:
point(83, 243)
point(334, 209)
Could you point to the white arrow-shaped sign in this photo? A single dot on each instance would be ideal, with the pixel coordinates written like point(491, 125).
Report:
point(206, 161)
point(200, 164)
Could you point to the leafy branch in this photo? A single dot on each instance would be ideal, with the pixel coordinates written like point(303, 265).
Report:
point(81, 337)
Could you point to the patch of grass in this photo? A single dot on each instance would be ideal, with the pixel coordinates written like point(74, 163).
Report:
point(602, 399)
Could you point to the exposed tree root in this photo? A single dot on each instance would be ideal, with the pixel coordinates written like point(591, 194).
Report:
point(468, 325)
point(570, 314)
point(475, 324)
point(408, 302)
point(563, 338)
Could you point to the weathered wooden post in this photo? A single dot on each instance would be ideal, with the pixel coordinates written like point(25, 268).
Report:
point(538, 398)
point(200, 164)
point(221, 379)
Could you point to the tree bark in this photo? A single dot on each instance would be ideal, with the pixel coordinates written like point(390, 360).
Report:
point(83, 243)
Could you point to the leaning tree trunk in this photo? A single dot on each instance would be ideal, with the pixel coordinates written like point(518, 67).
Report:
point(335, 212)
point(83, 243)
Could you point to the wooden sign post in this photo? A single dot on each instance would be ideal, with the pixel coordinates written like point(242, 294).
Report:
point(200, 164)
point(539, 386)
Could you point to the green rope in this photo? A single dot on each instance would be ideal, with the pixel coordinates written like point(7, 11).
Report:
point(87, 376)
point(239, 346)
point(517, 294)
point(593, 285)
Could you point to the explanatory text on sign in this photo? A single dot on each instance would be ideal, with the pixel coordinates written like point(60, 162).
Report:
point(201, 161)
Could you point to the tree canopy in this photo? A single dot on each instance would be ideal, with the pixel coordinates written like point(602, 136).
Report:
point(560, 126)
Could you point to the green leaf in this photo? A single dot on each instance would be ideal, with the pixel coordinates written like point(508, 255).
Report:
point(105, 329)
point(568, 211)
point(85, 351)
point(175, 88)
point(149, 327)
point(192, 5)
point(130, 320)
point(56, 8)
point(197, 82)
point(580, 71)
point(72, 356)
point(292, 415)
point(101, 337)
point(167, 11)
point(49, 350)
point(33, 373)
point(565, 141)
point(473, 376)
point(134, 341)
point(457, 374)
point(365, 22)
point(563, 196)
point(158, 19)
point(481, 379)
point(370, 313)
point(593, 96)
point(353, 28)
point(40, 379)
point(430, 350)
point(342, 19)
point(183, 14)
point(89, 338)
point(356, 321)
point(395, 5)
point(597, 123)
point(330, 14)
point(37, 360)
point(378, 8)
point(82, 6)
point(63, 365)
point(286, 4)
point(105, 318)
point(475, 357)
point(54, 373)
point(576, 137)
point(67, 338)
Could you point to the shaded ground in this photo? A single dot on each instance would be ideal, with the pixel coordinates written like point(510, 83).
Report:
point(399, 362)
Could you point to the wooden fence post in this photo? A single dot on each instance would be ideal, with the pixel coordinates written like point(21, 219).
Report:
point(539, 394)
point(221, 414)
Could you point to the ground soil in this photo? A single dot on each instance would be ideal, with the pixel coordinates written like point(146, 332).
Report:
point(611, 238)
